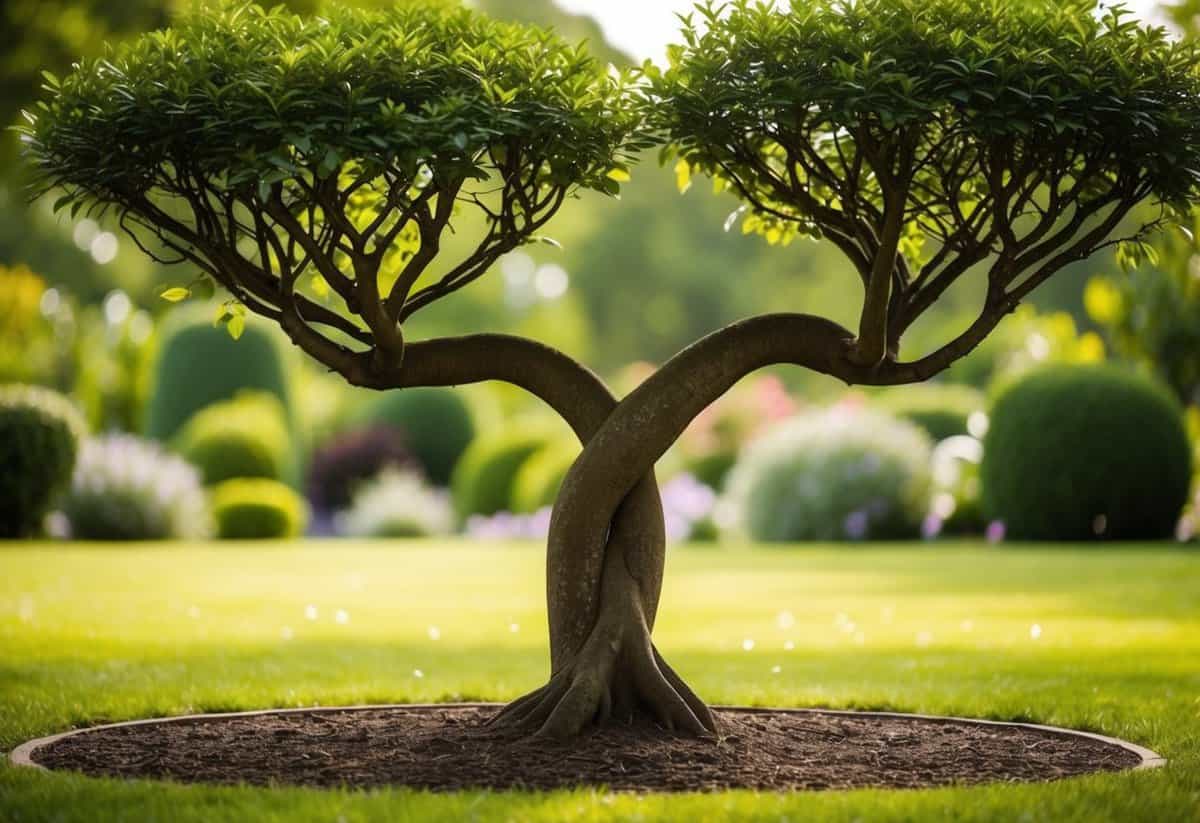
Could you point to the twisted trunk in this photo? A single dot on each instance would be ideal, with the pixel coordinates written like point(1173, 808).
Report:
point(603, 664)
point(649, 420)
point(645, 424)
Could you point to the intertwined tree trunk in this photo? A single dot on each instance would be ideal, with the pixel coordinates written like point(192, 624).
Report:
point(606, 546)
point(603, 664)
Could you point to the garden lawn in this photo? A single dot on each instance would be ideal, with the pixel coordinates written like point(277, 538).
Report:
point(1103, 639)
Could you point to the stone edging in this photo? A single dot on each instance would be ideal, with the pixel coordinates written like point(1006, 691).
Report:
point(22, 756)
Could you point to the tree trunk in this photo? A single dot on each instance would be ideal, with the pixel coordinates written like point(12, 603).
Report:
point(603, 664)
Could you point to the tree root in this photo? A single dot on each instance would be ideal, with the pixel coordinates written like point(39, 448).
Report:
point(617, 678)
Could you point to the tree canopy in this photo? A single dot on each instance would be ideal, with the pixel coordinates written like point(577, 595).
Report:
point(950, 131)
point(259, 145)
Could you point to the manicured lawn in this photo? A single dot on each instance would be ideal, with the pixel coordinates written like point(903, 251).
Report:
point(1100, 639)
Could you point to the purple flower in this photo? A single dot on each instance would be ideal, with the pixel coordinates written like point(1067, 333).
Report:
point(857, 524)
point(996, 531)
point(931, 526)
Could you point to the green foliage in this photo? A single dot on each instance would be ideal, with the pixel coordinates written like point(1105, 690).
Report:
point(833, 475)
point(940, 410)
point(246, 437)
point(39, 440)
point(1152, 314)
point(537, 482)
point(1025, 341)
point(1086, 452)
point(936, 141)
point(198, 365)
point(241, 95)
point(437, 424)
point(344, 144)
point(28, 353)
point(1041, 87)
point(484, 479)
point(258, 509)
point(126, 488)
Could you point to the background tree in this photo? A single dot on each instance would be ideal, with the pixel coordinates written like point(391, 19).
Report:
point(314, 171)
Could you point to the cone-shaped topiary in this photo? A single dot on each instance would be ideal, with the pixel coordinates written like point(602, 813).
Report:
point(1084, 453)
point(39, 440)
point(198, 364)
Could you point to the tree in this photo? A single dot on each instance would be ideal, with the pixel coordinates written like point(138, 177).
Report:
point(312, 168)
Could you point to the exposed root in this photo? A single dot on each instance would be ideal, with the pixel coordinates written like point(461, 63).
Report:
point(618, 677)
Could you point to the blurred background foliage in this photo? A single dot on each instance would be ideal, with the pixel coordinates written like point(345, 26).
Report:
point(635, 280)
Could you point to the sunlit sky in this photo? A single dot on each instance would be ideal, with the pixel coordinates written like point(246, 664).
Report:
point(643, 28)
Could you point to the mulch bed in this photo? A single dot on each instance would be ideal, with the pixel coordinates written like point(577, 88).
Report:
point(450, 748)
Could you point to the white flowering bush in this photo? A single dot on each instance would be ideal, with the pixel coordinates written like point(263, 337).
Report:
point(126, 488)
point(397, 503)
point(836, 474)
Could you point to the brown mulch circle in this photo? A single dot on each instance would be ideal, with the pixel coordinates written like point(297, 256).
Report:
point(451, 748)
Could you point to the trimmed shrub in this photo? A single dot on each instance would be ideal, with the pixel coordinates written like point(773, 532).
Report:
point(126, 488)
point(39, 439)
point(437, 424)
point(941, 410)
point(832, 475)
point(198, 365)
point(244, 437)
point(711, 469)
point(342, 465)
point(537, 482)
point(1084, 453)
point(483, 481)
point(258, 509)
point(397, 504)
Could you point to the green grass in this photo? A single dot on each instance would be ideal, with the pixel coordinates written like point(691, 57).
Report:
point(91, 634)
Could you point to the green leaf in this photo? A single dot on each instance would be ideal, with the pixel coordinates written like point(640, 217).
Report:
point(683, 176)
point(175, 294)
point(236, 326)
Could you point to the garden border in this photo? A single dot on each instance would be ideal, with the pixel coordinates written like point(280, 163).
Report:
point(22, 755)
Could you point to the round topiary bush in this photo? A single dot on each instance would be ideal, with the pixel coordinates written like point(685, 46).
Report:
point(341, 466)
point(437, 424)
point(126, 488)
point(836, 474)
point(258, 509)
point(39, 439)
point(1084, 453)
point(244, 437)
point(537, 482)
point(197, 365)
point(942, 410)
point(484, 480)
